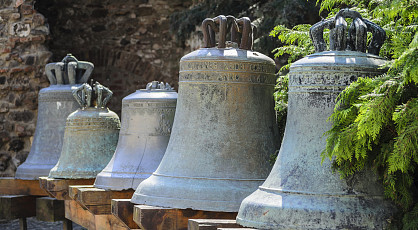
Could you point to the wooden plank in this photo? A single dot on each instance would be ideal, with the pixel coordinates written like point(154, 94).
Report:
point(49, 209)
point(17, 206)
point(10, 185)
point(123, 210)
point(75, 213)
point(106, 222)
point(212, 224)
point(96, 200)
point(59, 188)
point(104, 209)
point(73, 190)
point(158, 218)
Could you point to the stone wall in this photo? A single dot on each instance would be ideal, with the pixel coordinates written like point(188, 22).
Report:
point(129, 42)
point(23, 55)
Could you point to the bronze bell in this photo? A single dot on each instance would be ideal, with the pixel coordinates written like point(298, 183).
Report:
point(147, 118)
point(91, 135)
point(223, 131)
point(55, 103)
point(301, 192)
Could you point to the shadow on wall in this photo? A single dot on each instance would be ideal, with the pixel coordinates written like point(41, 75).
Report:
point(129, 42)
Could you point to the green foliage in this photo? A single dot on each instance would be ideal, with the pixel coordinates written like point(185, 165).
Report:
point(298, 43)
point(375, 120)
point(280, 97)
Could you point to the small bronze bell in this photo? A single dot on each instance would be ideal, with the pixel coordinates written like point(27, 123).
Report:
point(223, 131)
point(55, 103)
point(91, 135)
point(147, 118)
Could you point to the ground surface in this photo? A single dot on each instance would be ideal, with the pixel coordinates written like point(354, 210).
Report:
point(34, 224)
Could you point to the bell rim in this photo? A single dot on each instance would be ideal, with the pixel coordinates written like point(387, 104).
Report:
point(271, 209)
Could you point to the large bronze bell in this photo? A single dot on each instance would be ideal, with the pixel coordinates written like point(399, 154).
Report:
point(224, 127)
point(300, 192)
point(91, 135)
point(147, 118)
point(55, 103)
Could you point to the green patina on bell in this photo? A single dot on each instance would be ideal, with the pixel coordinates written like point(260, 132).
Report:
point(91, 135)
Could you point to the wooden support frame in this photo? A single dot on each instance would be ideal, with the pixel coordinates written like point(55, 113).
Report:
point(17, 206)
point(123, 210)
point(59, 188)
point(158, 218)
point(11, 185)
point(96, 200)
point(76, 213)
point(49, 209)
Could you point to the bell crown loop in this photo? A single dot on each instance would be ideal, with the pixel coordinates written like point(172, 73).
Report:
point(86, 94)
point(221, 25)
point(158, 86)
point(352, 39)
point(69, 71)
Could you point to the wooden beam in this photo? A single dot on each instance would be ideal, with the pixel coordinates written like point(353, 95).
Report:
point(10, 185)
point(58, 188)
point(75, 213)
point(212, 224)
point(158, 218)
point(49, 209)
point(123, 210)
point(17, 206)
point(96, 200)
point(83, 217)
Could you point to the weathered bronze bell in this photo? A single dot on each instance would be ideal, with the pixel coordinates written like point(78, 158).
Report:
point(55, 103)
point(147, 118)
point(300, 192)
point(91, 135)
point(223, 131)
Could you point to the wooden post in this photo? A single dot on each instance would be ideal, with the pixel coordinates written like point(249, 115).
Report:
point(17, 206)
point(23, 223)
point(49, 209)
point(67, 224)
